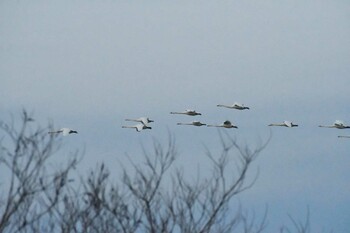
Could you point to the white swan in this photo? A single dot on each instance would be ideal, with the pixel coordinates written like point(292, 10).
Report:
point(64, 131)
point(138, 127)
point(226, 124)
point(337, 124)
point(288, 124)
point(187, 112)
point(195, 123)
point(341, 136)
point(143, 120)
point(234, 106)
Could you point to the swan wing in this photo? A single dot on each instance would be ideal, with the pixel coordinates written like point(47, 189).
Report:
point(197, 123)
point(139, 127)
point(339, 123)
point(288, 123)
point(65, 131)
point(190, 111)
point(143, 120)
point(227, 123)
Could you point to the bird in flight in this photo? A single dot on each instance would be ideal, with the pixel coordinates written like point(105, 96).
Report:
point(226, 124)
point(138, 127)
point(64, 131)
point(234, 106)
point(194, 123)
point(337, 124)
point(341, 136)
point(288, 124)
point(143, 120)
point(187, 112)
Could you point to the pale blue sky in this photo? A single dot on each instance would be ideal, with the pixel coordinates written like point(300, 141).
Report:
point(90, 64)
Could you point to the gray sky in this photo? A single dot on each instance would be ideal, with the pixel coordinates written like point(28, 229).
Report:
point(90, 64)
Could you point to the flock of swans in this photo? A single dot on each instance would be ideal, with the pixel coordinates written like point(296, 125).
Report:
point(143, 122)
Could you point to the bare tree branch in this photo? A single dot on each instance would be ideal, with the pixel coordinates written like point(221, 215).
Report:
point(152, 196)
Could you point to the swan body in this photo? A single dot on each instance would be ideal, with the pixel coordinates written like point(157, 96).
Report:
point(288, 124)
point(194, 123)
point(234, 106)
point(138, 127)
point(225, 124)
point(64, 131)
point(337, 124)
point(187, 112)
point(143, 120)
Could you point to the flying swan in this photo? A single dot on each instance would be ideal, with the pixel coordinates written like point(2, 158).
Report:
point(64, 131)
point(187, 112)
point(226, 124)
point(138, 127)
point(194, 123)
point(143, 120)
point(233, 106)
point(288, 124)
point(337, 124)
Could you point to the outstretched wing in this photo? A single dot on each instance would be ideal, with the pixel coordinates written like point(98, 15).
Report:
point(227, 123)
point(139, 127)
point(143, 120)
point(288, 123)
point(339, 123)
